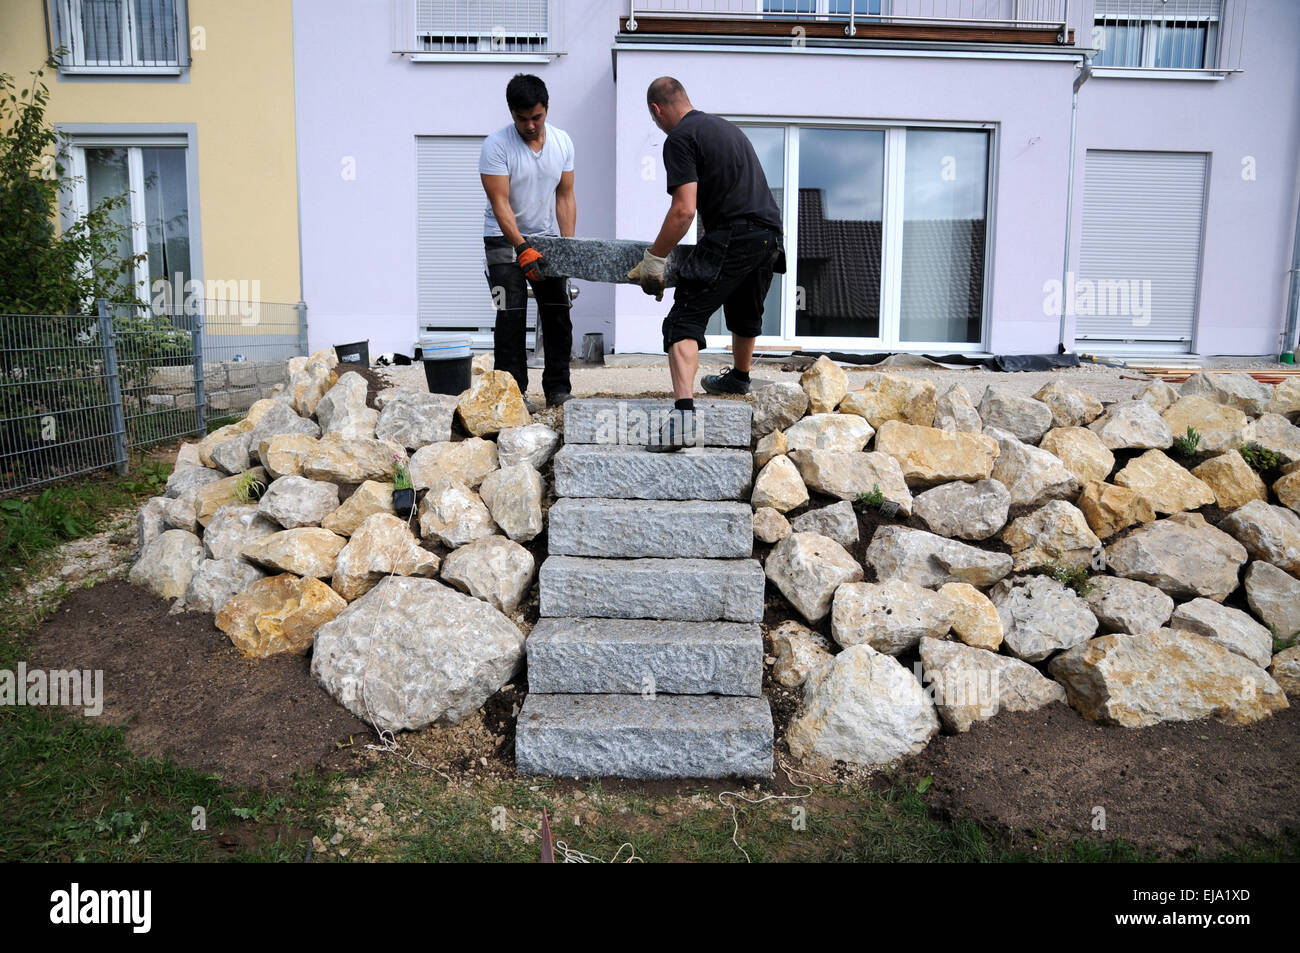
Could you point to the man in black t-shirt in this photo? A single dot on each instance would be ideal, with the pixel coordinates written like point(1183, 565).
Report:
point(711, 167)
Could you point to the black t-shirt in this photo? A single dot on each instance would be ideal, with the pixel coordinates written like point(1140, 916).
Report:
point(707, 149)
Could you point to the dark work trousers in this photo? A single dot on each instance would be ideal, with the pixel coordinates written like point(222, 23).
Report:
point(510, 297)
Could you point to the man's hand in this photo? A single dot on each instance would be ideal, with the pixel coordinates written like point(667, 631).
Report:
point(650, 274)
point(528, 257)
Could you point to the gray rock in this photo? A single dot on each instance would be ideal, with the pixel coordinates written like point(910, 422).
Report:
point(777, 406)
point(1159, 395)
point(533, 445)
point(1270, 533)
point(1276, 433)
point(453, 514)
point(808, 568)
point(513, 495)
point(1126, 605)
point(277, 420)
point(1030, 474)
point(631, 736)
point(218, 580)
point(847, 475)
point(233, 527)
point(149, 521)
point(635, 422)
point(843, 433)
point(419, 651)
point(181, 512)
point(1183, 555)
point(968, 510)
point(167, 564)
point(799, 652)
point(1231, 628)
point(971, 684)
point(954, 411)
point(891, 616)
point(1238, 390)
point(1040, 616)
point(838, 521)
point(191, 478)
point(496, 570)
point(1055, 534)
point(770, 525)
point(694, 590)
point(233, 455)
point(631, 656)
point(1004, 408)
point(925, 559)
point(1274, 596)
point(635, 529)
point(415, 420)
point(343, 409)
point(1132, 425)
point(1070, 406)
point(633, 473)
point(294, 501)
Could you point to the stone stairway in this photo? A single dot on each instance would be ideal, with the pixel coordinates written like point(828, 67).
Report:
point(647, 661)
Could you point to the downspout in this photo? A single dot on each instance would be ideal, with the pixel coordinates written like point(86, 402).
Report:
point(1289, 342)
point(1085, 73)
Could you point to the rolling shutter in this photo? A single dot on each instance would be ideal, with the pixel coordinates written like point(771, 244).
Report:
point(1142, 220)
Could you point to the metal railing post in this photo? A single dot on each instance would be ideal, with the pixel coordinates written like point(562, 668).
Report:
point(116, 416)
point(301, 308)
point(200, 394)
point(852, 28)
point(631, 16)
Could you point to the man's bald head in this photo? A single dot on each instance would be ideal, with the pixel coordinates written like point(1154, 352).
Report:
point(666, 91)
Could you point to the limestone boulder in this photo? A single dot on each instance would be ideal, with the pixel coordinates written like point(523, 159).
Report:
point(278, 615)
point(492, 404)
point(825, 384)
point(351, 460)
point(954, 411)
point(929, 456)
point(1270, 533)
point(1168, 487)
point(1040, 617)
point(928, 560)
point(1082, 452)
point(278, 421)
point(368, 499)
point(283, 455)
point(892, 397)
point(1070, 406)
point(1126, 605)
point(1004, 408)
point(309, 379)
point(232, 455)
point(770, 526)
point(494, 569)
point(1182, 555)
point(799, 651)
point(1285, 670)
point(1231, 480)
point(533, 445)
point(839, 521)
point(168, 563)
point(412, 652)
point(848, 475)
point(1235, 630)
point(1287, 489)
point(220, 436)
point(233, 527)
point(186, 456)
point(807, 569)
point(467, 461)
point(413, 419)
point(891, 617)
point(216, 581)
point(1167, 675)
point(863, 707)
point(779, 486)
point(482, 363)
point(213, 496)
point(777, 406)
point(383, 545)
point(1055, 534)
point(1222, 428)
point(149, 521)
point(1274, 596)
point(1278, 434)
point(1132, 425)
point(1030, 474)
point(770, 445)
point(1110, 509)
point(452, 514)
point(1286, 398)
point(966, 510)
point(513, 496)
point(1237, 389)
point(844, 432)
point(972, 685)
point(1159, 395)
point(975, 618)
point(181, 512)
point(295, 501)
point(308, 551)
point(187, 478)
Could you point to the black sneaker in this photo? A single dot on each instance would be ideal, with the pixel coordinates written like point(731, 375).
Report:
point(725, 383)
point(677, 432)
point(559, 400)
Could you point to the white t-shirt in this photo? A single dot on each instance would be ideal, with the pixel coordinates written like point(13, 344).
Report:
point(534, 177)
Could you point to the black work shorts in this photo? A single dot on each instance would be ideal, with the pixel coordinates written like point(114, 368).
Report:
point(731, 268)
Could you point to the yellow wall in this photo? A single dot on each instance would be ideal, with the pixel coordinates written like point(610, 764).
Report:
point(240, 98)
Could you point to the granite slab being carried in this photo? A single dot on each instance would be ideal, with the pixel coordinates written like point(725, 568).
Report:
point(598, 259)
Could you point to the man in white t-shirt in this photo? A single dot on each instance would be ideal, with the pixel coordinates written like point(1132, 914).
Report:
point(527, 173)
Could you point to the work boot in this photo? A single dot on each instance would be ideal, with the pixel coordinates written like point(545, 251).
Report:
point(725, 383)
point(558, 400)
point(678, 431)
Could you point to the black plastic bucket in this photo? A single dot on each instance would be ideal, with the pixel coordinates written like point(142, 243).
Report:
point(448, 362)
point(357, 353)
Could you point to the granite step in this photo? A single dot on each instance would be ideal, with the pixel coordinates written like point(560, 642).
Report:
point(690, 590)
point(629, 656)
point(591, 471)
point(632, 529)
point(638, 736)
point(635, 422)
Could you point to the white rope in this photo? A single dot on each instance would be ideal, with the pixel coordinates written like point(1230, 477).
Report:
point(735, 819)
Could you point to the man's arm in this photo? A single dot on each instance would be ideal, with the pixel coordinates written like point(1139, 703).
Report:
point(566, 206)
point(497, 188)
point(678, 220)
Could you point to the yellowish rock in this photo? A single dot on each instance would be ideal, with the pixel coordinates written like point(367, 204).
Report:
point(382, 545)
point(1287, 490)
point(929, 456)
point(1221, 427)
point(466, 461)
point(976, 621)
point(1166, 485)
point(370, 498)
point(1231, 479)
point(213, 496)
point(492, 404)
point(825, 383)
point(772, 445)
point(1286, 397)
point(278, 614)
point(1055, 534)
point(306, 551)
point(221, 435)
point(847, 475)
point(1109, 508)
point(283, 455)
point(779, 486)
point(350, 460)
point(1070, 406)
point(1081, 451)
point(891, 397)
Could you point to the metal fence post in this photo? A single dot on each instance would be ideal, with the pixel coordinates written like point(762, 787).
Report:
point(301, 308)
point(200, 396)
point(116, 416)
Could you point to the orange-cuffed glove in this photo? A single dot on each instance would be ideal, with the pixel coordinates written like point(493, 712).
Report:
point(528, 257)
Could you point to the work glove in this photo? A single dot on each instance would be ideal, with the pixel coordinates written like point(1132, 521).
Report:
point(528, 257)
point(649, 274)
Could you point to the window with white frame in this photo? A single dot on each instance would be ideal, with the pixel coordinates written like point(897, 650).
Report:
point(821, 8)
point(1157, 34)
point(121, 35)
point(482, 26)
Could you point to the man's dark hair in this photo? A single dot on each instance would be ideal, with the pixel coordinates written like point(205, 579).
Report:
point(663, 91)
point(526, 91)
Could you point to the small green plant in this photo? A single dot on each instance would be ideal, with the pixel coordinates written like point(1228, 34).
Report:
point(1071, 578)
point(1185, 446)
point(872, 499)
point(401, 473)
point(249, 487)
point(1260, 459)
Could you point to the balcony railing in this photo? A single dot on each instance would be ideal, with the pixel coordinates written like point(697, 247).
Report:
point(511, 30)
point(996, 21)
point(1178, 36)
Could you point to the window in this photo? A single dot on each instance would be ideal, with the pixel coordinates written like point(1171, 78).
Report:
point(121, 35)
point(884, 235)
point(1154, 35)
point(839, 8)
point(482, 26)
